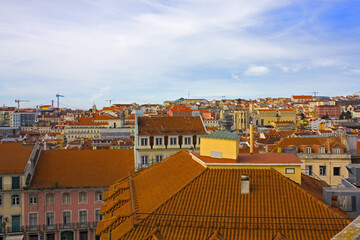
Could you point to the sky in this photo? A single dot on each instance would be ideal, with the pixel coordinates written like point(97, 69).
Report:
point(149, 51)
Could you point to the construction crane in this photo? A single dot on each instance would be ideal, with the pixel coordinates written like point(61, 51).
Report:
point(110, 100)
point(18, 101)
point(58, 96)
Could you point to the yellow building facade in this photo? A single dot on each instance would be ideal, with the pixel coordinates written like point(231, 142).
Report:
point(221, 150)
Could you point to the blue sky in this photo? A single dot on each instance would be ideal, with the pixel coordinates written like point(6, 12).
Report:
point(149, 51)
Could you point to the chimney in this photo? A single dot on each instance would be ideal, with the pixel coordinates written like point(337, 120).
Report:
point(328, 145)
point(251, 138)
point(245, 184)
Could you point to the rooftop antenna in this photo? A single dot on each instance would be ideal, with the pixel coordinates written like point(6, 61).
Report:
point(188, 95)
point(18, 101)
point(110, 100)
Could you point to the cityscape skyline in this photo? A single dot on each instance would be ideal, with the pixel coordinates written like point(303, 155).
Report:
point(151, 51)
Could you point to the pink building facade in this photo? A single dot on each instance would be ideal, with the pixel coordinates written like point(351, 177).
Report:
point(62, 214)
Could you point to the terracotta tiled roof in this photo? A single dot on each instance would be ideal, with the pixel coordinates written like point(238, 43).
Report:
point(302, 97)
point(213, 201)
point(259, 158)
point(86, 168)
point(13, 157)
point(166, 179)
point(313, 142)
point(170, 125)
point(207, 204)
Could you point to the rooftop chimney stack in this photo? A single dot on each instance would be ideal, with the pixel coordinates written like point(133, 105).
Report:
point(251, 138)
point(245, 184)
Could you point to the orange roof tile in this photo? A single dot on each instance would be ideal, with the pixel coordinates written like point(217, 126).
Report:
point(256, 158)
point(168, 178)
point(213, 201)
point(301, 142)
point(86, 168)
point(13, 157)
point(207, 203)
point(170, 125)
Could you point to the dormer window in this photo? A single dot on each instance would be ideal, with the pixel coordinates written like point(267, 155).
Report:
point(321, 150)
point(308, 149)
point(143, 141)
point(173, 140)
point(158, 141)
point(336, 150)
point(187, 140)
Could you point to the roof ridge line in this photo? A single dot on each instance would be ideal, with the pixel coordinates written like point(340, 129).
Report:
point(156, 208)
point(329, 209)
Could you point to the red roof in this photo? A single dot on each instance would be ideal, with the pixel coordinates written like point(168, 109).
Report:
point(14, 157)
point(86, 168)
point(256, 158)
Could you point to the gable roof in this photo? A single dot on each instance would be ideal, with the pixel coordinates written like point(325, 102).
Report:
point(85, 168)
point(170, 125)
point(14, 157)
point(209, 199)
point(224, 134)
point(140, 195)
point(308, 141)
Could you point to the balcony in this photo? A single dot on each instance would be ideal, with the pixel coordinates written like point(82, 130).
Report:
point(83, 225)
point(15, 229)
point(67, 226)
point(32, 228)
point(50, 227)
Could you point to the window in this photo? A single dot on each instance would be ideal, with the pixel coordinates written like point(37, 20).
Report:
point(15, 183)
point(144, 160)
point(98, 216)
point(50, 236)
point(32, 199)
point(308, 149)
point(83, 216)
point(1, 183)
point(187, 140)
point(82, 197)
point(143, 141)
point(309, 170)
point(159, 158)
point(158, 141)
point(66, 198)
point(173, 140)
point(322, 170)
point(50, 219)
point(15, 223)
point(15, 199)
point(289, 170)
point(1, 200)
point(83, 235)
point(336, 171)
point(49, 198)
point(336, 150)
point(66, 218)
point(321, 150)
point(33, 222)
point(98, 196)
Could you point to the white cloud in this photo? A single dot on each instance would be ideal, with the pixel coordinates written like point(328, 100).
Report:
point(73, 47)
point(352, 72)
point(257, 71)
